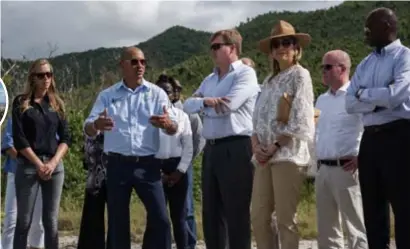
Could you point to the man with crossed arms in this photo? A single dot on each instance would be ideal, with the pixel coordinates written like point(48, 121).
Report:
point(226, 98)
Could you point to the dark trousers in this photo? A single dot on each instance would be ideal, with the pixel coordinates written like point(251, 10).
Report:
point(227, 175)
point(176, 197)
point(384, 173)
point(28, 183)
point(190, 209)
point(92, 229)
point(142, 174)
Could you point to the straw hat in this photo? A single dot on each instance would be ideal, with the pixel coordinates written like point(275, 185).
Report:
point(283, 29)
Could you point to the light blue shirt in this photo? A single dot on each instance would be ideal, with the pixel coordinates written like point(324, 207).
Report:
point(241, 87)
point(7, 143)
point(385, 78)
point(132, 133)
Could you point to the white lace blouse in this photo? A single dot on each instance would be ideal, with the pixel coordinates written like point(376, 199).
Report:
point(296, 82)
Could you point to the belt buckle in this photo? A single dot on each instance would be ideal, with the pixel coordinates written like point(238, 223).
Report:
point(212, 141)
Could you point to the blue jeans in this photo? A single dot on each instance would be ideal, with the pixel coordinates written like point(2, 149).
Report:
point(143, 174)
point(190, 217)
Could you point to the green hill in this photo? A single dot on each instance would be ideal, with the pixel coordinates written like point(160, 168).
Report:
point(183, 52)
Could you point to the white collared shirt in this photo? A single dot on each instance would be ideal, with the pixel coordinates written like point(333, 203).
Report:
point(338, 133)
point(179, 144)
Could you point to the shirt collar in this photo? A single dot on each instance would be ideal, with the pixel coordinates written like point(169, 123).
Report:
point(234, 65)
point(143, 86)
point(390, 48)
point(341, 90)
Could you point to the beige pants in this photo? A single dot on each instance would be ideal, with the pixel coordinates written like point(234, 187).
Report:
point(276, 188)
point(338, 200)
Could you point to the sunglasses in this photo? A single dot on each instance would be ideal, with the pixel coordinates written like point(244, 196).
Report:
point(217, 46)
point(43, 75)
point(284, 42)
point(135, 62)
point(328, 67)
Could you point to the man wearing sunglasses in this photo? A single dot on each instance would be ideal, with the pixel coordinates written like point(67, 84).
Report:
point(380, 90)
point(226, 98)
point(338, 137)
point(130, 113)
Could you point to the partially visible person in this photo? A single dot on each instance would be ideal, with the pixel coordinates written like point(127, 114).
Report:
point(380, 91)
point(175, 153)
point(338, 134)
point(226, 98)
point(248, 61)
point(198, 144)
point(37, 116)
point(36, 232)
point(131, 114)
point(283, 128)
point(92, 228)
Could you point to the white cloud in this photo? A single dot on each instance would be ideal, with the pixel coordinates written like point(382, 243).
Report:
point(27, 27)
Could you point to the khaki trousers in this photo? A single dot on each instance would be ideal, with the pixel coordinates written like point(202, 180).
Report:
point(338, 201)
point(276, 188)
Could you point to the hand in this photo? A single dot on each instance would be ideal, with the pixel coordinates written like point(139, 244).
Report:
point(351, 165)
point(261, 154)
point(161, 121)
point(104, 123)
point(41, 171)
point(164, 178)
point(174, 177)
point(50, 166)
point(219, 104)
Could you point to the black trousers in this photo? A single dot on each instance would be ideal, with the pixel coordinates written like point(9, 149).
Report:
point(92, 230)
point(384, 173)
point(227, 176)
point(176, 197)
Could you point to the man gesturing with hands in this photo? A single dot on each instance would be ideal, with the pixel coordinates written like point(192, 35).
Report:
point(130, 113)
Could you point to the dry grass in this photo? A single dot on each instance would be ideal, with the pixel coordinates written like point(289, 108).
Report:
point(70, 217)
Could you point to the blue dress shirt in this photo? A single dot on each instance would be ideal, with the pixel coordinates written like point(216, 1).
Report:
point(7, 143)
point(385, 80)
point(132, 133)
point(240, 86)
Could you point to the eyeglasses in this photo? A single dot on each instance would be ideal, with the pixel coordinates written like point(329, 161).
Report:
point(135, 62)
point(328, 67)
point(217, 46)
point(284, 42)
point(43, 75)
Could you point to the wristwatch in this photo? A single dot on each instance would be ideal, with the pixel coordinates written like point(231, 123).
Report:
point(359, 92)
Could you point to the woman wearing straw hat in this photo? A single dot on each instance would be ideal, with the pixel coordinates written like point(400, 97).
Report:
point(283, 127)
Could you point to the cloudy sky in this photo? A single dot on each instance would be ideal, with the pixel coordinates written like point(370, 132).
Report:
point(31, 28)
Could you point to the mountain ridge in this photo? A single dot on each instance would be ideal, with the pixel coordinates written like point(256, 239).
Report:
point(183, 51)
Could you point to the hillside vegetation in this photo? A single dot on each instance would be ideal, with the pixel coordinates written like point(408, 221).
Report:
point(182, 52)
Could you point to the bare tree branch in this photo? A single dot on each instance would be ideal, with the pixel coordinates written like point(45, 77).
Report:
point(52, 48)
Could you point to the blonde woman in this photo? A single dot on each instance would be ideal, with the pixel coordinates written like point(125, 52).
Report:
point(38, 115)
point(283, 127)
